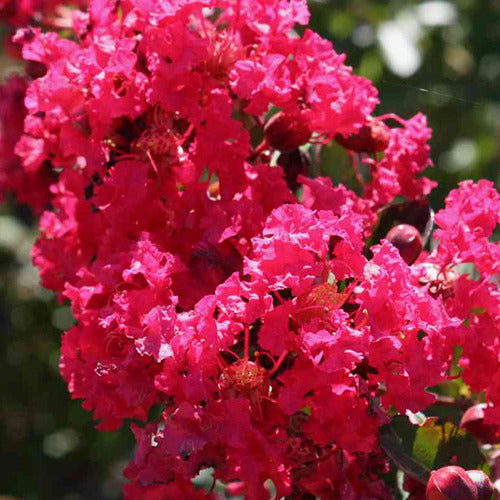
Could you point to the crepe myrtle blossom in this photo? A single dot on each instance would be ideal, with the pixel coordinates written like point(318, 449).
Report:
point(213, 274)
point(53, 13)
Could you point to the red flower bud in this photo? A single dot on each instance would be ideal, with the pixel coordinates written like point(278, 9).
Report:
point(451, 483)
point(371, 138)
point(473, 422)
point(35, 69)
point(294, 163)
point(407, 240)
point(286, 132)
point(483, 484)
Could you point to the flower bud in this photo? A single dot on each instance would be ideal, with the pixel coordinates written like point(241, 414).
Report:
point(407, 240)
point(483, 484)
point(294, 163)
point(451, 483)
point(35, 69)
point(286, 132)
point(473, 422)
point(370, 138)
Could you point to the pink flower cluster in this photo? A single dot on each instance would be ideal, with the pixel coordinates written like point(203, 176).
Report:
point(212, 277)
point(23, 12)
point(31, 185)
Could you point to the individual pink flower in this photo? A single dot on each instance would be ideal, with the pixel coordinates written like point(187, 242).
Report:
point(404, 159)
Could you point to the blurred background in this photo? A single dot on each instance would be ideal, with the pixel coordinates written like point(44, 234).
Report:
point(438, 57)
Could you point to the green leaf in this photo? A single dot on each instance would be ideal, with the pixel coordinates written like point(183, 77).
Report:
point(394, 446)
point(438, 442)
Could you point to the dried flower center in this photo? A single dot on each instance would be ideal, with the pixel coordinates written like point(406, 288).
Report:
point(246, 377)
point(158, 141)
point(319, 303)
